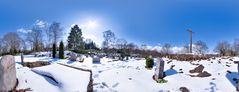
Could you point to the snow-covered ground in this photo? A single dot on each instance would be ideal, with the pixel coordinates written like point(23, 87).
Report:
point(127, 76)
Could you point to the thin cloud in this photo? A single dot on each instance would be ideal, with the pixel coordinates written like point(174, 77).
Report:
point(22, 30)
point(41, 24)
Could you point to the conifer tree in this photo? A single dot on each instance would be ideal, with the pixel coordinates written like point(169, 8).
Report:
point(54, 50)
point(61, 50)
point(75, 39)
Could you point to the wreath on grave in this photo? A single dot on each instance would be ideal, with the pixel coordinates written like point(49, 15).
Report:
point(159, 80)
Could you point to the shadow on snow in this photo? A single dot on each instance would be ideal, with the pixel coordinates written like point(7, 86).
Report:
point(231, 77)
point(170, 72)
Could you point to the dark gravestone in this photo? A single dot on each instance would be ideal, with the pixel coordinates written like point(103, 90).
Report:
point(159, 72)
point(96, 59)
point(237, 62)
point(7, 73)
point(22, 59)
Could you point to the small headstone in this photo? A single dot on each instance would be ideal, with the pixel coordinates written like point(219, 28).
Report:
point(22, 59)
point(73, 56)
point(159, 72)
point(96, 59)
point(7, 73)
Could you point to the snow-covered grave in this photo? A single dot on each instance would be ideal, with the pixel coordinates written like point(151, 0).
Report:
point(56, 76)
point(67, 79)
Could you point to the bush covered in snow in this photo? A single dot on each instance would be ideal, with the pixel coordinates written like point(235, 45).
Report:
point(149, 62)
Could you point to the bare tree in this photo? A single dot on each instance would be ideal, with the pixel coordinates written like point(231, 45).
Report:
point(35, 39)
point(222, 48)
point(121, 43)
point(12, 42)
point(55, 32)
point(236, 46)
point(185, 49)
point(166, 49)
point(143, 47)
point(131, 46)
point(200, 47)
point(109, 39)
point(1, 46)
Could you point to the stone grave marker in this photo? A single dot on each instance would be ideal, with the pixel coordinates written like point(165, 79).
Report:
point(73, 56)
point(8, 78)
point(22, 59)
point(159, 71)
point(237, 87)
point(96, 59)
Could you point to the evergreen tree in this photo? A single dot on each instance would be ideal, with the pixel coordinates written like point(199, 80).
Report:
point(90, 45)
point(75, 39)
point(54, 50)
point(61, 50)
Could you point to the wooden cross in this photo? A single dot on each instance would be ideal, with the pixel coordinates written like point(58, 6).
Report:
point(191, 39)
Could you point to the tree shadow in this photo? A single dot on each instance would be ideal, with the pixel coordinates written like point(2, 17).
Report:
point(170, 72)
point(231, 77)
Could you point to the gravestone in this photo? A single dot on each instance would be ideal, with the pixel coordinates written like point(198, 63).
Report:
point(22, 59)
point(73, 56)
point(96, 59)
point(8, 78)
point(237, 87)
point(159, 71)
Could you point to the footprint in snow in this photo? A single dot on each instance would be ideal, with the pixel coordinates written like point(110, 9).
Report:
point(96, 84)
point(115, 85)
point(96, 76)
point(100, 71)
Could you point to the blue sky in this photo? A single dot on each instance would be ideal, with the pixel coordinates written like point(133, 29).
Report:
point(150, 22)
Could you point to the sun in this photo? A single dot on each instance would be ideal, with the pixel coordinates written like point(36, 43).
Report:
point(92, 24)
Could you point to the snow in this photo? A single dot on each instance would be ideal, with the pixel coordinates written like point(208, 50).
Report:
point(127, 76)
point(37, 83)
point(68, 79)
